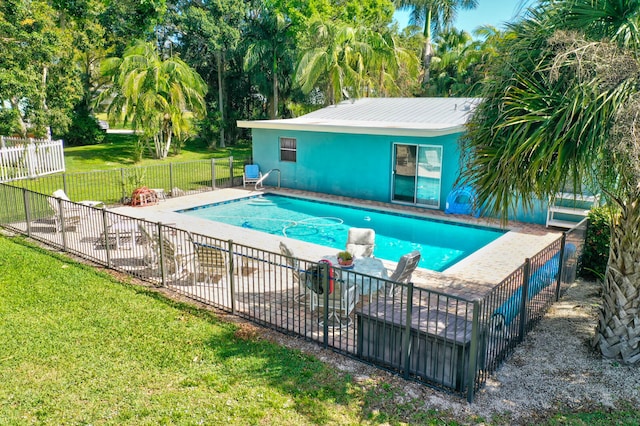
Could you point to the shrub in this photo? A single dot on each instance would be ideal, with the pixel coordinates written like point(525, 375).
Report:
point(9, 124)
point(596, 248)
point(84, 129)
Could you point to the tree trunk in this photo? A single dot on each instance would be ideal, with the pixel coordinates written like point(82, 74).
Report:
point(221, 98)
point(15, 105)
point(427, 53)
point(275, 86)
point(618, 331)
point(45, 107)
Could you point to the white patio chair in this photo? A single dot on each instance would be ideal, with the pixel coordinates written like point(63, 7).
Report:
point(406, 265)
point(360, 242)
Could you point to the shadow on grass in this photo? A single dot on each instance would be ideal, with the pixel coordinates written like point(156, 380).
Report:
point(117, 149)
point(311, 384)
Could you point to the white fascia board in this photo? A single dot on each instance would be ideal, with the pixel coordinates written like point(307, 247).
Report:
point(397, 129)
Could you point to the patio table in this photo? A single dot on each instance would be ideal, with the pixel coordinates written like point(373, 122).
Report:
point(371, 267)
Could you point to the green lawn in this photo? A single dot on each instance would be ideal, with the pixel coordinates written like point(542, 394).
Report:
point(118, 151)
point(79, 347)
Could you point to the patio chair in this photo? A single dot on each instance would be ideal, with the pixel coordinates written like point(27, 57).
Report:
point(404, 269)
point(59, 193)
point(153, 246)
point(341, 297)
point(360, 242)
point(210, 262)
point(251, 175)
point(298, 275)
point(65, 213)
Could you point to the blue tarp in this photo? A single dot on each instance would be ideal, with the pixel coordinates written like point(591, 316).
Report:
point(541, 278)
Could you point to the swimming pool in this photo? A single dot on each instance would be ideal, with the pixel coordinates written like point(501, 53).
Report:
point(441, 243)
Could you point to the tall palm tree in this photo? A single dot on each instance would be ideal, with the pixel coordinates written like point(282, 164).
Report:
point(336, 60)
point(153, 94)
point(271, 48)
point(560, 109)
point(433, 16)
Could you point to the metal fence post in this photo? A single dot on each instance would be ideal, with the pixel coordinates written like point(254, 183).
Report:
point(171, 182)
point(406, 342)
point(105, 232)
point(324, 275)
point(231, 170)
point(122, 182)
point(27, 210)
point(473, 352)
point(525, 298)
point(62, 221)
point(213, 173)
point(560, 265)
point(232, 286)
point(161, 250)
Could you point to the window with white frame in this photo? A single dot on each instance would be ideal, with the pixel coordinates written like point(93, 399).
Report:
point(288, 149)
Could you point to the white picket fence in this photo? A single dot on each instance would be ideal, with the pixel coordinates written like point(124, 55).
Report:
point(28, 158)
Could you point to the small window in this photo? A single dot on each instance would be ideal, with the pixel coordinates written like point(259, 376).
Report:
point(288, 149)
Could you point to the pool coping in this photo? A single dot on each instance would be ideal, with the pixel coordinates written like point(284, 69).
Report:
point(471, 278)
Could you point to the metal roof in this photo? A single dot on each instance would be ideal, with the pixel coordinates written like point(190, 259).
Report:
point(388, 116)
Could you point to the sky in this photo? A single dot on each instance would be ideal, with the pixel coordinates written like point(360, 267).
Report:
point(492, 12)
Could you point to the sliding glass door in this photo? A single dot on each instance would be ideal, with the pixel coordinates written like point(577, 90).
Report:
point(417, 172)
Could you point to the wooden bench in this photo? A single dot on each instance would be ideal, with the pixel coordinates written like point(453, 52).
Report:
point(439, 342)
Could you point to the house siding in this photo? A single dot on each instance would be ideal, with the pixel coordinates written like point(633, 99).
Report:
point(352, 165)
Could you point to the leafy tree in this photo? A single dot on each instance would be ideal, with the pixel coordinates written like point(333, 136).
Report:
point(269, 56)
point(207, 33)
point(560, 110)
point(448, 73)
point(125, 21)
point(336, 61)
point(433, 16)
point(348, 62)
point(34, 66)
point(154, 94)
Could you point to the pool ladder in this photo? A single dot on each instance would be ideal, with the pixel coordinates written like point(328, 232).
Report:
point(259, 182)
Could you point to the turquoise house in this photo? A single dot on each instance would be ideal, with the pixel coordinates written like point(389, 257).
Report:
point(395, 150)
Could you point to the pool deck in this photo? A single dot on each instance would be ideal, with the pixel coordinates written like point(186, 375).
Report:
point(471, 278)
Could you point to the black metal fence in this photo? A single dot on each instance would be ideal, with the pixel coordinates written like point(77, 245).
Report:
point(443, 340)
point(115, 186)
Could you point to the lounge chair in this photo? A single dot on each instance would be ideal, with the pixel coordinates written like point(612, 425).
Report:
point(406, 265)
point(210, 261)
point(360, 242)
point(298, 277)
point(251, 175)
point(65, 214)
point(63, 196)
point(341, 298)
point(153, 246)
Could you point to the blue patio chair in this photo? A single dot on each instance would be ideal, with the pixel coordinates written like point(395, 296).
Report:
point(251, 175)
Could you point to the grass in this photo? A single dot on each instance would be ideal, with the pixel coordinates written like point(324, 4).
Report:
point(118, 151)
point(79, 347)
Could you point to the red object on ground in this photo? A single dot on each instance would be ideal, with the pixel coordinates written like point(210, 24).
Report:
point(143, 196)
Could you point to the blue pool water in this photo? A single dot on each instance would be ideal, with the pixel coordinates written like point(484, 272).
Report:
point(441, 243)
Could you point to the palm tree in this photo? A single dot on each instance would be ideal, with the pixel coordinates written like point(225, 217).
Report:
point(273, 47)
point(560, 110)
point(448, 63)
point(433, 16)
point(155, 95)
point(336, 60)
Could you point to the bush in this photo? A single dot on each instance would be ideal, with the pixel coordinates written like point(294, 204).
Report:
point(84, 129)
point(596, 248)
point(9, 124)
